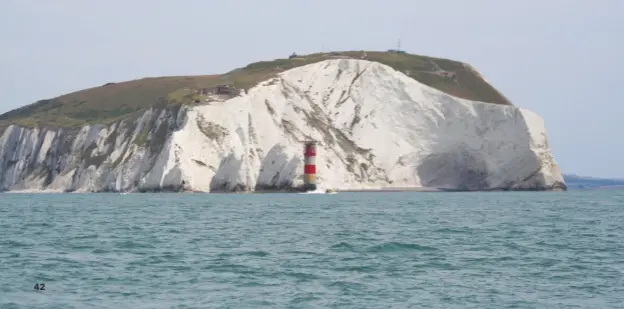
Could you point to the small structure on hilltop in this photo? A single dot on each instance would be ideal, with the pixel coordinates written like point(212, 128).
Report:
point(296, 57)
point(442, 73)
point(398, 49)
point(446, 74)
point(218, 93)
point(227, 90)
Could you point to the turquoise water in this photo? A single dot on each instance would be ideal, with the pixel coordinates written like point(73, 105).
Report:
point(348, 250)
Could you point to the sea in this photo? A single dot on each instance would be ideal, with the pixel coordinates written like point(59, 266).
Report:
point(345, 250)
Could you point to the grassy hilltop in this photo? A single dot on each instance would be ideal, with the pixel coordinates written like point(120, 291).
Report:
point(114, 101)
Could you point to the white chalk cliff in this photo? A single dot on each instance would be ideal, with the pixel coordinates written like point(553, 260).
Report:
point(376, 126)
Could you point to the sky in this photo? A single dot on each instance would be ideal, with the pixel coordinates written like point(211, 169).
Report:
point(559, 58)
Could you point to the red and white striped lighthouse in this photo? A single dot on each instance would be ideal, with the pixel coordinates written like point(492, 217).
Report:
point(309, 169)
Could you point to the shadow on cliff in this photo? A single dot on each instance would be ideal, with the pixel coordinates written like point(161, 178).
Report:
point(227, 176)
point(459, 169)
point(277, 171)
point(462, 168)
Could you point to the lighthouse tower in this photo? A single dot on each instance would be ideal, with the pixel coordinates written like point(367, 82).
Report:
point(309, 169)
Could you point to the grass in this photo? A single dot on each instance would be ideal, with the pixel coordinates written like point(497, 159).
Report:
point(143, 137)
point(115, 101)
point(212, 130)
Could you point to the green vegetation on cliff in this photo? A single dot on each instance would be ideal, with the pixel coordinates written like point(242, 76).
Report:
point(113, 101)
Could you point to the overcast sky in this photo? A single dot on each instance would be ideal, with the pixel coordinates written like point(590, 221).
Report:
point(560, 58)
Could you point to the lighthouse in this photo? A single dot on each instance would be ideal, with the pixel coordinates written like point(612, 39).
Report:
point(309, 167)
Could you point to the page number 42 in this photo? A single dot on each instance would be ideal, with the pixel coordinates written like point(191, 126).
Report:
point(40, 286)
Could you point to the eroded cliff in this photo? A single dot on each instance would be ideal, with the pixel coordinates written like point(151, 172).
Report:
point(376, 126)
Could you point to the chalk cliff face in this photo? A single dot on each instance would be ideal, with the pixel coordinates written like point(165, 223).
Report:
point(376, 127)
